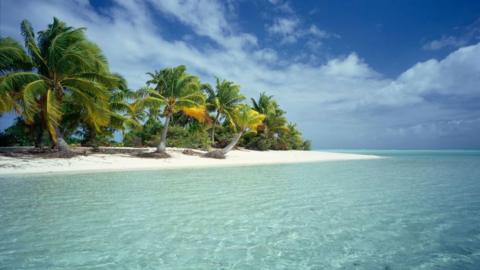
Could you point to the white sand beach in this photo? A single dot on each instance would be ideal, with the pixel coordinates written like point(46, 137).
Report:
point(124, 162)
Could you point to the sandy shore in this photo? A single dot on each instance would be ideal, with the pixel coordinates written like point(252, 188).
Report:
point(124, 162)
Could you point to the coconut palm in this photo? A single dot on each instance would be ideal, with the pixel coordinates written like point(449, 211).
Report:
point(176, 91)
point(68, 67)
point(294, 136)
point(245, 119)
point(222, 101)
point(12, 59)
point(275, 121)
point(264, 104)
point(125, 112)
point(121, 109)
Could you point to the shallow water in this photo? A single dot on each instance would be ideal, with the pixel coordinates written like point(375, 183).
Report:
point(412, 210)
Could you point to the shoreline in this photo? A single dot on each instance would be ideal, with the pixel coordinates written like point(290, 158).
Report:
point(29, 164)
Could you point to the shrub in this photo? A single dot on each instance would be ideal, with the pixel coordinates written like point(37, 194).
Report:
point(257, 142)
point(187, 137)
point(16, 135)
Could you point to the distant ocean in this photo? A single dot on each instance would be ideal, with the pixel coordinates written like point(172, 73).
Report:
point(410, 210)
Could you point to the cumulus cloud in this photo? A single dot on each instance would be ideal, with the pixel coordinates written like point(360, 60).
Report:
point(340, 103)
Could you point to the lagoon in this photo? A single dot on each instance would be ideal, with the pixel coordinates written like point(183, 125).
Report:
point(410, 210)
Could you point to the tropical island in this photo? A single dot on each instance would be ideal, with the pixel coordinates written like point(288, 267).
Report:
point(69, 103)
point(160, 134)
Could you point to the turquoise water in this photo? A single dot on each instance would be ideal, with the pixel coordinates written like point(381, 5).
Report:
point(412, 210)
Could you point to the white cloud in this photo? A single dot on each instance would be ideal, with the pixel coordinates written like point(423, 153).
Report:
point(207, 18)
point(317, 32)
point(283, 6)
point(466, 35)
point(287, 28)
point(342, 103)
point(446, 41)
point(290, 30)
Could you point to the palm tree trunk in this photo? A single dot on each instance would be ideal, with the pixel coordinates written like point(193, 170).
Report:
point(162, 146)
point(232, 144)
point(61, 144)
point(213, 127)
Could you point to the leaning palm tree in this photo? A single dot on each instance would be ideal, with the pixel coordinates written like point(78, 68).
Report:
point(223, 101)
point(245, 119)
point(68, 67)
point(176, 91)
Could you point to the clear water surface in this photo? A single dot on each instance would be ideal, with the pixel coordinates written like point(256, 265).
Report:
point(411, 210)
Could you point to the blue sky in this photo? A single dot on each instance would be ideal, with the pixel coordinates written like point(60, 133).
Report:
point(352, 74)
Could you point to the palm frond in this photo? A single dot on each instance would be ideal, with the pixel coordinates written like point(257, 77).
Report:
point(245, 118)
point(53, 114)
point(32, 93)
point(13, 56)
point(198, 112)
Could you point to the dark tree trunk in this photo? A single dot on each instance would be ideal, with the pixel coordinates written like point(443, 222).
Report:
point(38, 136)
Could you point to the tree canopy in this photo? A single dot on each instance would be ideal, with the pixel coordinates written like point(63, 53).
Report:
point(59, 83)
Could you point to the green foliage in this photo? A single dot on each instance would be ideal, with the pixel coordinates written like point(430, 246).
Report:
point(275, 133)
point(13, 56)
point(245, 118)
point(69, 70)
point(19, 134)
point(223, 135)
point(60, 84)
point(307, 145)
point(188, 137)
point(175, 90)
point(257, 141)
point(146, 136)
point(222, 101)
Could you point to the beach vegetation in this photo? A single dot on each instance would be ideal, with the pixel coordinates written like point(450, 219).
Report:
point(60, 86)
point(244, 119)
point(222, 101)
point(175, 92)
point(66, 69)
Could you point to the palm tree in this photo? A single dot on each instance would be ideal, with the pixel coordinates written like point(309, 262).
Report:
point(245, 119)
point(68, 67)
point(294, 136)
point(264, 104)
point(124, 107)
point(275, 121)
point(12, 59)
point(223, 101)
point(121, 109)
point(176, 91)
